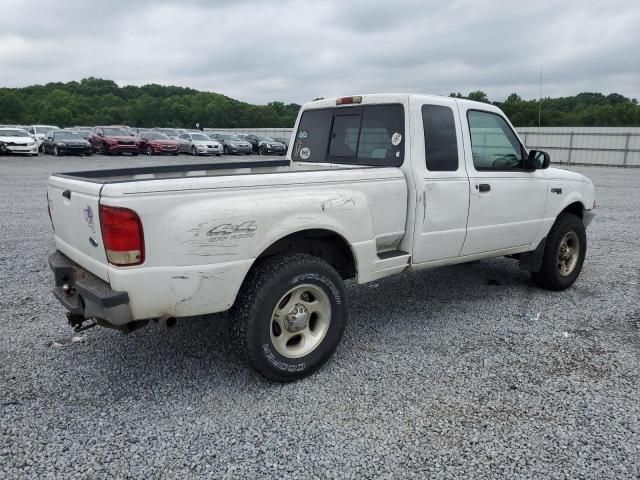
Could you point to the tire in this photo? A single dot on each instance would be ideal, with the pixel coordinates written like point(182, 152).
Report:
point(56, 152)
point(88, 154)
point(218, 154)
point(105, 149)
point(148, 150)
point(225, 150)
point(282, 350)
point(194, 152)
point(563, 255)
point(262, 151)
point(135, 154)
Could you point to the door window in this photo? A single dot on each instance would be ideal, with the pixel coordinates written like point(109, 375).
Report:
point(494, 146)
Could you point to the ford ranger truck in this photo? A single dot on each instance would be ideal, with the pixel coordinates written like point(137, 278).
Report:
point(372, 186)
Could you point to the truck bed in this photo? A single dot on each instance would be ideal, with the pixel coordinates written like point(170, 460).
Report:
point(164, 172)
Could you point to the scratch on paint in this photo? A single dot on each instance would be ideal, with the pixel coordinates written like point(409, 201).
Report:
point(343, 203)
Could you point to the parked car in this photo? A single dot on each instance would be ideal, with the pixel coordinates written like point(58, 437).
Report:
point(267, 145)
point(252, 139)
point(375, 185)
point(109, 140)
point(17, 140)
point(197, 143)
point(84, 132)
point(63, 142)
point(156, 143)
point(282, 140)
point(169, 132)
point(39, 132)
point(232, 143)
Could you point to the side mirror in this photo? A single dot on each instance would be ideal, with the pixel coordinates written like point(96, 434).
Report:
point(538, 160)
point(100, 134)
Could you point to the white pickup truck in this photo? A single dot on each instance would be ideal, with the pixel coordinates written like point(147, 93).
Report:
point(371, 186)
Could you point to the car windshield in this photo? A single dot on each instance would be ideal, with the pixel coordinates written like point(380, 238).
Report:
point(13, 133)
point(200, 136)
point(168, 131)
point(84, 133)
point(266, 139)
point(227, 136)
point(156, 136)
point(116, 132)
point(66, 136)
point(43, 129)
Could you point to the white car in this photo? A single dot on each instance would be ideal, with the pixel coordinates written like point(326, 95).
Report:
point(39, 133)
point(373, 185)
point(197, 143)
point(17, 140)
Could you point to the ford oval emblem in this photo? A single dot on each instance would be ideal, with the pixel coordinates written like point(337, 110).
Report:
point(93, 241)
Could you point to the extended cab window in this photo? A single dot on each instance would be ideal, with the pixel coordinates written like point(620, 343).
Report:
point(493, 144)
point(440, 139)
point(365, 135)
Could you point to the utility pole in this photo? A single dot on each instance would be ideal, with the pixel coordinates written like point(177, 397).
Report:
point(540, 102)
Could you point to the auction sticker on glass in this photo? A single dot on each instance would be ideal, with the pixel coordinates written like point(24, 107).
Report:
point(396, 138)
point(305, 153)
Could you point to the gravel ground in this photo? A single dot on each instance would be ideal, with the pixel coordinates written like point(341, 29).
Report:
point(459, 372)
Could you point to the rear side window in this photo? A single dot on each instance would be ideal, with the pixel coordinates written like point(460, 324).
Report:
point(364, 135)
point(440, 140)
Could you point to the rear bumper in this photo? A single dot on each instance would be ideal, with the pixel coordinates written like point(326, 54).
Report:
point(84, 294)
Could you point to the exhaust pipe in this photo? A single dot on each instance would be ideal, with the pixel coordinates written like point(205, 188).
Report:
point(167, 322)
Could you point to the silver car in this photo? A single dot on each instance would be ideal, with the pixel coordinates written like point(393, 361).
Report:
point(199, 144)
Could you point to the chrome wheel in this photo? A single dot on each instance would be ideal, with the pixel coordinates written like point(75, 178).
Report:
point(568, 253)
point(300, 321)
point(149, 151)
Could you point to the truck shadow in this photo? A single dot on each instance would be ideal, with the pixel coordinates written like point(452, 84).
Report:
point(199, 349)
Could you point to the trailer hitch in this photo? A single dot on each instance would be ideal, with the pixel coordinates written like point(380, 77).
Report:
point(76, 321)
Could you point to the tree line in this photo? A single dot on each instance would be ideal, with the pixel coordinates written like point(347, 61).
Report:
point(94, 101)
point(582, 110)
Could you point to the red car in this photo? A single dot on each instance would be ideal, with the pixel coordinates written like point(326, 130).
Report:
point(110, 140)
point(156, 143)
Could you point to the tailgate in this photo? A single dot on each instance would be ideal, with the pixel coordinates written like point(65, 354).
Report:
point(74, 212)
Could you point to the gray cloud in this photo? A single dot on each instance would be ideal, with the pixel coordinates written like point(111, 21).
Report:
point(296, 50)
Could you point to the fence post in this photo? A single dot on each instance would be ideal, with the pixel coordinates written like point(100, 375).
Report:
point(570, 148)
point(626, 150)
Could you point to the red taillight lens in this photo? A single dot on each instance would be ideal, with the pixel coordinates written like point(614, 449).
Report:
point(122, 235)
point(349, 100)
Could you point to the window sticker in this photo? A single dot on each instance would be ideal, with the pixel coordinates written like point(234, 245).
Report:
point(396, 138)
point(302, 134)
point(305, 153)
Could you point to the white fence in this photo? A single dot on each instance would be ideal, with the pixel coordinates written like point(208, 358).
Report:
point(608, 146)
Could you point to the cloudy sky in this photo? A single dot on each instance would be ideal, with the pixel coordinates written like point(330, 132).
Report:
point(297, 50)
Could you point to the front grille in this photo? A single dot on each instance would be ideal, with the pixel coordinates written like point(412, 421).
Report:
point(15, 144)
point(126, 142)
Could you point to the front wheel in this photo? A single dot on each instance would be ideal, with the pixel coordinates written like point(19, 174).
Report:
point(289, 316)
point(148, 150)
point(56, 152)
point(194, 152)
point(563, 255)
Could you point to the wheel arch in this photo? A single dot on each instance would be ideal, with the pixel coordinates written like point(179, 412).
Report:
point(318, 242)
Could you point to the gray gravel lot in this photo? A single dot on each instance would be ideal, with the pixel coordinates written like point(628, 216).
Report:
point(460, 372)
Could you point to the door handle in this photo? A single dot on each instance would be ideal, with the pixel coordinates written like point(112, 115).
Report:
point(483, 187)
point(67, 194)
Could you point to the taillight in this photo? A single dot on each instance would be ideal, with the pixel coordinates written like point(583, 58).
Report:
point(122, 235)
point(349, 100)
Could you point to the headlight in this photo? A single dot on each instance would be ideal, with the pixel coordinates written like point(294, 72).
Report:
point(32, 144)
point(201, 147)
point(61, 144)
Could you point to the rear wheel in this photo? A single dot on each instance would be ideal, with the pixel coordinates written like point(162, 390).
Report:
point(564, 254)
point(289, 316)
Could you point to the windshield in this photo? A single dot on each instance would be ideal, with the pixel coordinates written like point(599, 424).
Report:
point(266, 139)
point(168, 131)
point(200, 136)
point(13, 133)
point(156, 136)
point(227, 136)
point(116, 132)
point(43, 129)
point(66, 136)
